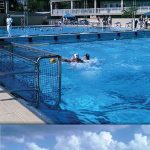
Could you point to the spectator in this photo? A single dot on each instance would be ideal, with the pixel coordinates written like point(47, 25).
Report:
point(146, 22)
point(109, 21)
point(141, 21)
point(136, 23)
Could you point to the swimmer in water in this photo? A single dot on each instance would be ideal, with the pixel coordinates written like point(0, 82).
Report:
point(86, 57)
point(74, 58)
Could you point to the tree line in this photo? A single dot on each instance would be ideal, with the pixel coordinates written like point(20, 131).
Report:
point(32, 5)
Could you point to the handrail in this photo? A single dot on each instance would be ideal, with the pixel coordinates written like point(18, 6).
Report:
point(33, 49)
point(14, 73)
point(11, 53)
point(97, 11)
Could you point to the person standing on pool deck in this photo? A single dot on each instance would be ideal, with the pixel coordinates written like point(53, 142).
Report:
point(109, 21)
point(136, 23)
point(141, 21)
point(9, 22)
point(146, 22)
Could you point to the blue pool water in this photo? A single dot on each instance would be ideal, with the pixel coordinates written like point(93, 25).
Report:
point(114, 87)
point(20, 31)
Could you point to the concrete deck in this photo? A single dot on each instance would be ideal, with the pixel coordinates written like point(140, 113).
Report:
point(13, 112)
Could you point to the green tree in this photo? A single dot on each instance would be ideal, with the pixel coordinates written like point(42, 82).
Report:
point(13, 5)
point(128, 13)
point(38, 5)
point(65, 5)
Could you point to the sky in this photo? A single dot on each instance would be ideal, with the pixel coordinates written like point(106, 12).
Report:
point(73, 137)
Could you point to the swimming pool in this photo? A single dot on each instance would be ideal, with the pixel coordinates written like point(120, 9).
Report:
point(21, 31)
point(51, 30)
point(114, 87)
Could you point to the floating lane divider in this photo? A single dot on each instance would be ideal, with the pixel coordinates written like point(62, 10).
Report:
point(39, 44)
point(99, 35)
point(118, 34)
point(136, 33)
point(78, 36)
point(30, 39)
point(56, 38)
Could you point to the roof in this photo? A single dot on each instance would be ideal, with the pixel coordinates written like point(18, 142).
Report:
point(67, 15)
point(43, 13)
point(147, 13)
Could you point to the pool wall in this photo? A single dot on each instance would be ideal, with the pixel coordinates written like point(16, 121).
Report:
point(80, 37)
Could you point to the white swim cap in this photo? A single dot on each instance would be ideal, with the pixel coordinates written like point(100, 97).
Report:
point(76, 55)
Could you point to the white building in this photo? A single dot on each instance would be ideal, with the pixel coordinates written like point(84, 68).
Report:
point(96, 7)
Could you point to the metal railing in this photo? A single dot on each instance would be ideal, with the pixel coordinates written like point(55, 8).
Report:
point(30, 74)
point(143, 9)
point(97, 11)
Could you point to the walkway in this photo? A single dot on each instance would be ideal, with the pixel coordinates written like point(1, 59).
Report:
point(13, 112)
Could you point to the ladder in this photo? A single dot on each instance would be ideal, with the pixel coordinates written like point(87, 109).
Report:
point(2, 5)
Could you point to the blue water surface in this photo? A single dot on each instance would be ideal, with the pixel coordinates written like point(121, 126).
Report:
point(33, 30)
point(113, 87)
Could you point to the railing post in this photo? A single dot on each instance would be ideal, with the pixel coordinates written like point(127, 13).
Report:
point(37, 82)
point(95, 5)
point(51, 7)
point(71, 4)
point(59, 80)
point(122, 5)
point(12, 58)
point(7, 7)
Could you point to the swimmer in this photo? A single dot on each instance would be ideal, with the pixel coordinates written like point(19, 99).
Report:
point(66, 60)
point(86, 57)
point(74, 58)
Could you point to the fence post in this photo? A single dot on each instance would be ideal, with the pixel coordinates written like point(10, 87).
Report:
point(12, 57)
point(37, 71)
point(59, 79)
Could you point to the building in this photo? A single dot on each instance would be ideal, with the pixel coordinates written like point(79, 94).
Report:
point(97, 7)
point(2, 6)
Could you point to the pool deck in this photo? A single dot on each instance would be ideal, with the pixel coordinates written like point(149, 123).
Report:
point(14, 112)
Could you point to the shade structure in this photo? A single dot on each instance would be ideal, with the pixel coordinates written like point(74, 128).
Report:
point(69, 16)
point(43, 13)
point(147, 13)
